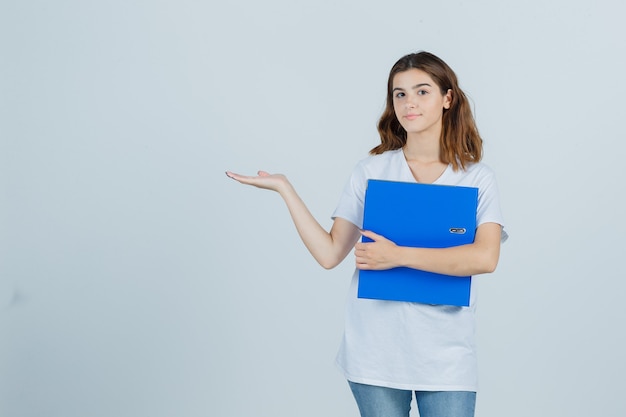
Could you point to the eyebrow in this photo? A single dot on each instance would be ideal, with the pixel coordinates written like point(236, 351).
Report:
point(414, 87)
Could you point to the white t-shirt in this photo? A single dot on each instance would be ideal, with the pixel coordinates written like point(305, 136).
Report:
point(406, 345)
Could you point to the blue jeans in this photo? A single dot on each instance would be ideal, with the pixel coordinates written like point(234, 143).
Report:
point(389, 402)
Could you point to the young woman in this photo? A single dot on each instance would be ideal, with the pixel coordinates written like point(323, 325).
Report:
point(391, 349)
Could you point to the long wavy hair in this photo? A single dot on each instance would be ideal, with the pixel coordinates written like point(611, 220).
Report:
point(460, 144)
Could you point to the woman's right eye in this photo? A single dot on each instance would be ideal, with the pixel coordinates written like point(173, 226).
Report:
point(399, 95)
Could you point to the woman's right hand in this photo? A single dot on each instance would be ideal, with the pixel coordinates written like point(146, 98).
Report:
point(265, 180)
point(328, 248)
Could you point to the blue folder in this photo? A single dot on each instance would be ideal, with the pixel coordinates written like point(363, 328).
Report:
point(418, 215)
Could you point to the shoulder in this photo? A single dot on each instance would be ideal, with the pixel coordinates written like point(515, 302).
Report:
point(479, 169)
point(380, 161)
point(477, 175)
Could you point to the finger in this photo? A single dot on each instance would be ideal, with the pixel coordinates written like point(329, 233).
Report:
point(371, 235)
point(236, 177)
point(361, 252)
point(241, 178)
point(363, 245)
point(362, 265)
point(362, 256)
point(247, 179)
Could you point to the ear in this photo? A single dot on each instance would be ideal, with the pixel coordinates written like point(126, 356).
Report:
point(447, 99)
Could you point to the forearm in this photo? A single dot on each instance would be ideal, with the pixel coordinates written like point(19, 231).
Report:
point(457, 261)
point(328, 248)
point(476, 258)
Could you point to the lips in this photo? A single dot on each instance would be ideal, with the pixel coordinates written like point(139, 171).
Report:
point(411, 116)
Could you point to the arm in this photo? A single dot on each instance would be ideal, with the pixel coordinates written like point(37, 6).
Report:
point(328, 248)
point(472, 259)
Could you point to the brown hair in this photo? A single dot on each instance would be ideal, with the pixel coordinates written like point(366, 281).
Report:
point(460, 142)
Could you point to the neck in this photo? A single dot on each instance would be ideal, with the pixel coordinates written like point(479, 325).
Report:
point(422, 148)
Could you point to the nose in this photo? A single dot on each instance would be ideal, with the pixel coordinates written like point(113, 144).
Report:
point(410, 102)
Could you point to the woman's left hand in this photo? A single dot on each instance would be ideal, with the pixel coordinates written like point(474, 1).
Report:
point(377, 255)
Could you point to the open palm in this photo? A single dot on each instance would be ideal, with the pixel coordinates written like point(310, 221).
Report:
point(263, 180)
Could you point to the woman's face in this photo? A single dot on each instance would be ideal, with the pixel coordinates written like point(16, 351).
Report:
point(418, 102)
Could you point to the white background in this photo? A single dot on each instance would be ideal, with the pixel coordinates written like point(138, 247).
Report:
point(136, 279)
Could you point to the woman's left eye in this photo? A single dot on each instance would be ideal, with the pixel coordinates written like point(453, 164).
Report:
point(422, 92)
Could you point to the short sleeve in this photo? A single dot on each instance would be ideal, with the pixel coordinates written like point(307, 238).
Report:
point(489, 203)
point(351, 202)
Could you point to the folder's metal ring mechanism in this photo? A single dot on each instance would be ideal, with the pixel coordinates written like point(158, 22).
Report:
point(458, 230)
